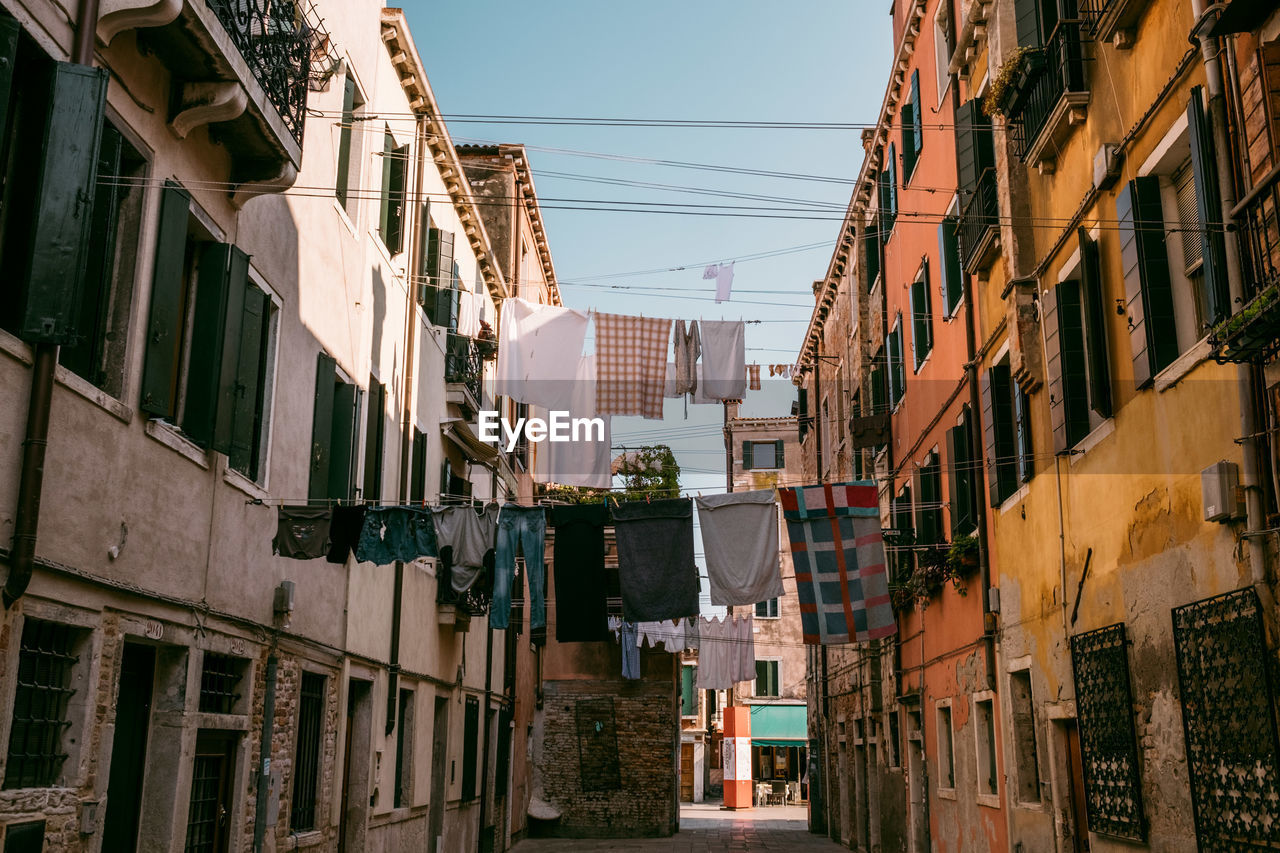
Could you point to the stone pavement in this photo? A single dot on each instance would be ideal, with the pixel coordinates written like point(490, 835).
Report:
point(706, 828)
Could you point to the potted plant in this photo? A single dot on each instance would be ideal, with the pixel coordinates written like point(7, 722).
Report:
point(962, 556)
point(1253, 332)
point(1013, 81)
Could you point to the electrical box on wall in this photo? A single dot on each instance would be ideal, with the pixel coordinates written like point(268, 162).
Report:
point(1220, 492)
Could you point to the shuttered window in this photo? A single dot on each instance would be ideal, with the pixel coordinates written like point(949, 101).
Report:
point(470, 738)
point(1148, 287)
point(975, 147)
point(999, 434)
point(1022, 433)
point(871, 247)
point(1066, 365)
point(418, 469)
point(929, 497)
point(767, 678)
point(253, 371)
point(688, 695)
point(215, 333)
point(961, 476)
point(349, 147)
point(1026, 15)
point(901, 557)
point(1095, 329)
point(879, 384)
point(888, 186)
point(921, 318)
point(440, 292)
point(395, 168)
point(375, 432)
point(1217, 295)
point(332, 433)
point(168, 304)
point(949, 256)
point(757, 455)
point(897, 365)
point(912, 129)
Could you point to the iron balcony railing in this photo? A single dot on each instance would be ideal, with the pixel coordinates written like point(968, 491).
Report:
point(1091, 14)
point(1062, 72)
point(1257, 217)
point(980, 216)
point(275, 41)
point(1252, 332)
point(463, 365)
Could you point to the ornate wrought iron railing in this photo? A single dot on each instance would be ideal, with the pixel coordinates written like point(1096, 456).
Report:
point(981, 214)
point(463, 364)
point(1062, 72)
point(1092, 12)
point(1229, 714)
point(276, 42)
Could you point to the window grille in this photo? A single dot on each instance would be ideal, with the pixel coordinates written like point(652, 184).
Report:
point(218, 682)
point(40, 702)
point(1228, 712)
point(1108, 745)
point(306, 763)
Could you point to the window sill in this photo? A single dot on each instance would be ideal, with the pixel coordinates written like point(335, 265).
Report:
point(345, 217)
point(1032, 806)
point(767, 618)
point(383, 250)
point(1092, 440)
point(1184, 364)
point(947, 793)
point(991, 801)
point(20, 351)
point(921, 366)
point(1015, 498)
point(170, 437)
point(955, 312)
point(304, 840)
point(239, 481)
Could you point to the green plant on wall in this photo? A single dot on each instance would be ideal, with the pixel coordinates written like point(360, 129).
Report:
point(649, 473)
point(1004, 79)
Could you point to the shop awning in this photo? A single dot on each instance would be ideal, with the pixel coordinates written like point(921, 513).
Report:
point(472, 447)
point(779, 725)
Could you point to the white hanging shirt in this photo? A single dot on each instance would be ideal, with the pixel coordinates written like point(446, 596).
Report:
point(539, 353)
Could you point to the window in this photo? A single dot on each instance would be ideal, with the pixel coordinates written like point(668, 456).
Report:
point(962, 475)
point(904, 523)
point(988, 766)
point(757, 455)
point(1006, 422)
point(306, 753)
point(404, 751)
point(897, 365)
point(220, 680)
point(893, 751)
point(333, 432)
point(767, 609)
point(470, 734)
point(767, 683)
point(350, 147)
point(418, 468)
point(210, 339)
point(949, 260)
point(929, 495)
point(391, 217)
point(946, 749)
point(871, 247)
point(942, 48)
point(375, 432)
point(44, 689)
point(921, 318)
point(879, 383)
point(912, 129)
point(102, 326)
point(688, 693)
point(1079, 371)
point(1025, 758)
point(888, 189)
point(440, 293)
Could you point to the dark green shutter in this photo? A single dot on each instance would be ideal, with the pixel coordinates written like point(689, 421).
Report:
point(1026, 15)
point(418, 471)
point(921, 321)
point(897, 364)
point(908, 118)
point(802, 412)
point(63, 210)
point(423, 272)
point(871, 245)
point(917, 119)
point(440, 277)
point(374, 436)
point(470, 736)
point(1144, 260)
point(322, 427)
point(960, 476)
point(1095, 326)
point(1065, 364)
point(975, 148)
point(893, 181)
point(1022, 437)
point(748, 455)
point(342, 440)
point(1209, 206)
point(949, 254)
point(395, 211)
point(762, 678)
point(9, 31)
point(344, 139)
point(168, 299)
point(688, 704)
point(384, 209)
point(246, 408)
point(215, 346)
point(998, 433)
point(779, 459)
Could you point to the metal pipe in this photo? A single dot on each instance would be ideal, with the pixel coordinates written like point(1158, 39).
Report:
point(264, 752)
point(484, 760)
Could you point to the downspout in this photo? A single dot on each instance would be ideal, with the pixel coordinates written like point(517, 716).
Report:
point(1210, 48)
point(44, 367)
point(484, 782)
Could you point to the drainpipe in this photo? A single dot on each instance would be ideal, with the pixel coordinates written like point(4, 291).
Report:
point(484, 782)
point(44, 367)
point(264, 750)
point(1211, 47)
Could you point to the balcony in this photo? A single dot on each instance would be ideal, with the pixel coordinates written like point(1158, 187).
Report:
point(464, 372)
point(1252, 334)
point(979, 228)
point(240, 67)
point(1053, 101)
point(1111, 20)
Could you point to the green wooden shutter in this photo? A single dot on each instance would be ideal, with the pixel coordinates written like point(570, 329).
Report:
point(762, 678)
point(908, 118)
point(949, 255)
point(921, 321)
point(418, 471)
point(384, 209)
point(897, 364)
point(998, 433)
point(246, 410)
point(871, 246)
point(1209, 206)
point(342, 439)
point(374, 436)
point(470, 736)
point(966, 160)
point(440, 275)
point(63, 210)
point(893, 182)
point(1095, 326)
point(215, 346)
point(1022, 434)
point(748, 455)
point(1026, 15)
point(688, 704)
point(1068, 384)
point(1147, 283)
point(395, 211)
point(344, 139)
point(424, 289)
point(168, 301)
point(322, 427)
point(917, 119)
point(960, 476)
point(779, 460)
point(9, 32)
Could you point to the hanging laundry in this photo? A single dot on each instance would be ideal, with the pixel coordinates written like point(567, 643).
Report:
point(538, 353)
point(723, 274)
point(667, 634)
point(631, 364)
point(302, 532)
point(396, 533)
point(630, 651)
point(699, 396)
point(471, 535)
point(724, 359)
point(753, 377)
point(669, 385)
point(740, 543)
point(524, 527)
point(584, 461)
point(743, 649)
point(344, 532)
point(839, 558)
point(581, 591)
point(471, 313)
point(655, 559)
point(692, 635)
point(713, 660)
point(688, 346)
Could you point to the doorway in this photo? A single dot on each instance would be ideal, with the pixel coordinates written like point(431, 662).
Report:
point(209, 814)
point(439, 760)
point(917, 785)
point(355, 767)
point(129, 748)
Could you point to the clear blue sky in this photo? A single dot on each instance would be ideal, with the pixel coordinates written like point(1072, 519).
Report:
point(808, 61)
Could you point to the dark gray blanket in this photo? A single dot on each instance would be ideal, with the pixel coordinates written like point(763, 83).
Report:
point(655, 560)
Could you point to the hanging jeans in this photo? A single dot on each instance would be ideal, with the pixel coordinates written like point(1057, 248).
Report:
point(521, 527)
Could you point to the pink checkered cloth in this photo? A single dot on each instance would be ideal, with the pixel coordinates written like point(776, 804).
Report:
point(631, 364)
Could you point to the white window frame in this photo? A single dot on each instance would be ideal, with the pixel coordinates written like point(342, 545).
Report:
point(755, 682)
point(982, 753)
point(777, 610)
point(944, 791)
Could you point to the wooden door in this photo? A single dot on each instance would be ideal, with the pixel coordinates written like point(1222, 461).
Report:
point(686, 772)
point(1075, 769)
point(209, 813)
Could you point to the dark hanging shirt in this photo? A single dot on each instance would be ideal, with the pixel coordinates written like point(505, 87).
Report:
point(581, 591)
point(655, 560)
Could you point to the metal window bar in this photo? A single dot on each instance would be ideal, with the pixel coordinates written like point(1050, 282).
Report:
point(202, 814)
point(1229, 717)
point(218, 682)
point(1108, 743)
point(1062, 72)
point(44, 689)
point(463, 364)
point(306, 773)
point(1091, 13)
point(980, 216)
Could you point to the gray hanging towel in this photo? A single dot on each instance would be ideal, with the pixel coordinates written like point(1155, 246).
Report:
point(740, 540)
point(724, 360)
point(655, 560)
point(302, 532)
